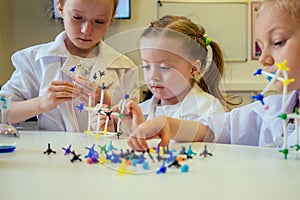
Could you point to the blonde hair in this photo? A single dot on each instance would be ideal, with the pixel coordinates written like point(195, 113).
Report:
point(62, 2)
point(197, 49)
point(289, 6)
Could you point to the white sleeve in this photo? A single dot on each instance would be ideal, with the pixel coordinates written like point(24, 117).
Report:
point(240, 126)
point(218, 123)
point(23, 83)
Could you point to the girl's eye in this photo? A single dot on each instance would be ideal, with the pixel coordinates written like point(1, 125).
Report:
point(145, 67)
point(164, 67)
point(77, 18)
point(99, 22)
point(161, 67)
point(279, 43)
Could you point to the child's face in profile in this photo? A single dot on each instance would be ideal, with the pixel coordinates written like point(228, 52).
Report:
point(86, 23)
point(278, 35)
point(167, 74)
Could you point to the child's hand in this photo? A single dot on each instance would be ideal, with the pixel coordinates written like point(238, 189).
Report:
point(157, 127)
point(87, 87)
point(135, 112)
point(102, 121)
point(132, 112)
point(57, 93)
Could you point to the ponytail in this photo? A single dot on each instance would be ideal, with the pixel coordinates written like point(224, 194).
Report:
point(212, 77)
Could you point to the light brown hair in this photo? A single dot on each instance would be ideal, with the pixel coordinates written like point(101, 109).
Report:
point(62, 2)
point(196, 46)
point(289, 6)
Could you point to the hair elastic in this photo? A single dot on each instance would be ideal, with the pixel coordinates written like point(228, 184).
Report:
point(207, 40)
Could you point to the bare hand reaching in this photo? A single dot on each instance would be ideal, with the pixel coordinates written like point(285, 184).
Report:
point(157, 127)
point(57, 93)
point(102, 121)
point(133, 115)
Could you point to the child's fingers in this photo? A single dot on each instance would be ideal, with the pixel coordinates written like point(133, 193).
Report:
point(143, 143)
point(103, 117)
point(61, 95)
point(58, 83)
point(95, 118)
point(87, 87)
point(121, 106)
point(164, 131)
point(130, 106)
point(102, 121)
point(84, 99)
point(86, 84)
point(165, 136)
point(64, 86)
point(139, 138)
point(138, 144)
point(115, 108)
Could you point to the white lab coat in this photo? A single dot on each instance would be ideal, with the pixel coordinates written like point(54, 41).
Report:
point(36, 66)
point(194, 106)
point(253, 125)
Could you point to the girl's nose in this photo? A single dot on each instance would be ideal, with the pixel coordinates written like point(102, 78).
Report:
point(87, 27)
point(155, 73)
point(266, 59)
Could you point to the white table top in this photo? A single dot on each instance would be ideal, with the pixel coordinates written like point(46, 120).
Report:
point(233, 172)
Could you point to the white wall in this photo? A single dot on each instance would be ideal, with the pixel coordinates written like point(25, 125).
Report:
point(26, 22)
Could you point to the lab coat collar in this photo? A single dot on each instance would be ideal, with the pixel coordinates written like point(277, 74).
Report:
point(57, 48)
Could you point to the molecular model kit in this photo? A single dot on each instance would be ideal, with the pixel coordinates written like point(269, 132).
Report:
point(282, 69)
point(100, 109)
point(155, 160)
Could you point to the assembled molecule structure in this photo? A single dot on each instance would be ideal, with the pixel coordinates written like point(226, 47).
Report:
point(282, 69)
point(102, 110)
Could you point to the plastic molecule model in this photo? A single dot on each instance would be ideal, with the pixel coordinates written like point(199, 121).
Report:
point(102, 110)
point(49, 150)
point(76, 157)
point(282, 69)
point(67, 150)
point(205, 153)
